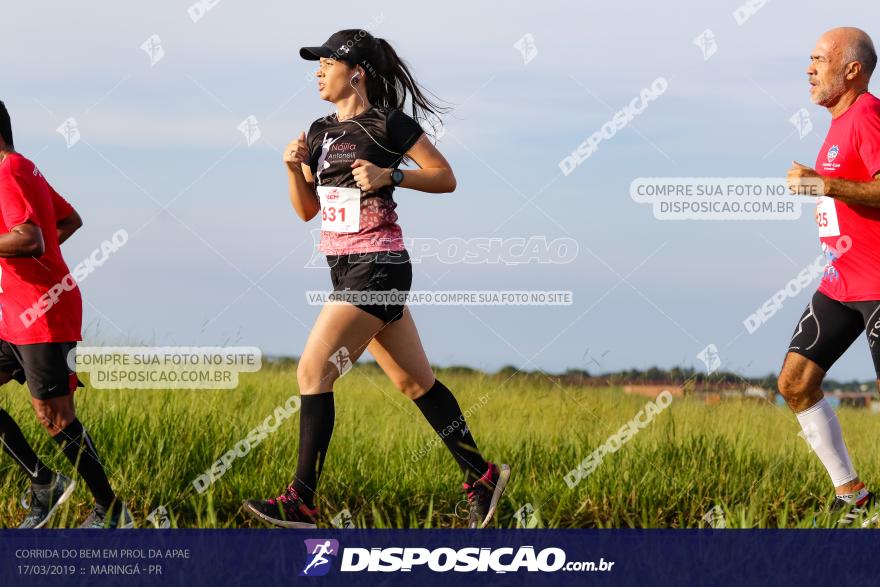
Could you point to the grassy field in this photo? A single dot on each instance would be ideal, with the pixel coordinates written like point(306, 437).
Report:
point(743, 457)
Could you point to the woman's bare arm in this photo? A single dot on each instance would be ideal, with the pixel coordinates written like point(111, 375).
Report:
point(301, 185)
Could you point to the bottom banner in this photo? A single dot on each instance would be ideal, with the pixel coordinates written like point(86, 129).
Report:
point(436, 557)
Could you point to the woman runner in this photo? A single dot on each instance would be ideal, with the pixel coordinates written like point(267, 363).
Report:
point(346, 169)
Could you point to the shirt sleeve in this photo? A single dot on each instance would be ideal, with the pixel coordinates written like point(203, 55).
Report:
point(313, 145)
point(403, 131)
point(62, 207)
point(14, 203)
point(868, 136)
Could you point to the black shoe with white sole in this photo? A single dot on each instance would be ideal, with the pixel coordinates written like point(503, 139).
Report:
point(45, 499)
point(288, 510)
point(118, 517)
point(484, 494)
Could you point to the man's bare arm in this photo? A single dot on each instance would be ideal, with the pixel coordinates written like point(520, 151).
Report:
point(866, 193)
point(22, 240)
point(67, 226)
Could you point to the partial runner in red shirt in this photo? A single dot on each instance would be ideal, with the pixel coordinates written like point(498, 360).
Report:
point(31, 310)
point(40, 324)
point(851, 152)
point(846, 183)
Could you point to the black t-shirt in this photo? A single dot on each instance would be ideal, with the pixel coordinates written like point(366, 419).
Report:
point(380, 136)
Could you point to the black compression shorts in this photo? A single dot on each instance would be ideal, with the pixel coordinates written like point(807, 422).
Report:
point(829, 327)
point(374, 282)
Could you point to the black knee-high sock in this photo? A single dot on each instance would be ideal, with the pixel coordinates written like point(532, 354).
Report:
point(442, 411)
point(79, 449)
point(16, 446)
point(317, 413)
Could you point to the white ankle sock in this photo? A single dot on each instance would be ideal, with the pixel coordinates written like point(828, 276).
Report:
point(822, 431)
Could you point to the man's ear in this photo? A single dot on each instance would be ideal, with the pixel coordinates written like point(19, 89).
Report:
point(853, 70)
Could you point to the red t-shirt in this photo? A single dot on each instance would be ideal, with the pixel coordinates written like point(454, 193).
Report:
point(851, 151)
point(29, 312)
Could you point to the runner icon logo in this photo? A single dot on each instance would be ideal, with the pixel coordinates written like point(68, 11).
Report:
point(318, 561)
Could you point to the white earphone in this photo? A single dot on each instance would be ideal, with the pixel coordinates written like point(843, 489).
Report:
point(357, 77)
point(352, 82)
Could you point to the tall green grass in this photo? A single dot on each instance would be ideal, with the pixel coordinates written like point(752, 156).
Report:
point(744, 457)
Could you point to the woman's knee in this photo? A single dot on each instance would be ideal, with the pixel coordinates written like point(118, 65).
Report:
point(315, 376)
point(414, 387)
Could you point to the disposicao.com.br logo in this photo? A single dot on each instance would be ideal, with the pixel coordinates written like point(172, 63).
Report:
point(442, 560)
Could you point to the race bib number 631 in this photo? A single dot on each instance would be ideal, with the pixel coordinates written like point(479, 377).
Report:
point(340, 209)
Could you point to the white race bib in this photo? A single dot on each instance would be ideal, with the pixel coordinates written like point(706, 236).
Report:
point(826, 216)
point(340, 209)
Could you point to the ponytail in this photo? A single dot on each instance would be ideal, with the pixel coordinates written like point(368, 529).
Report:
point(390, 82)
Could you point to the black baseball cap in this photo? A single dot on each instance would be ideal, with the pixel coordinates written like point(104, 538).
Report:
point(348, 45)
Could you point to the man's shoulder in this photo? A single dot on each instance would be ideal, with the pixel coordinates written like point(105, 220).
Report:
point(16, 163)
point(863, 118)
point(868, 105)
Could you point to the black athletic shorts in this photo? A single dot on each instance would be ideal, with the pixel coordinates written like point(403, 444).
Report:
point(829, 327)
point(356, 274)
point(42, 365)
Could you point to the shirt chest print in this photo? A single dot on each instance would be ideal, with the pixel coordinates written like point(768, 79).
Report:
point(832, 159)
point(342, 150)
point(323, 164)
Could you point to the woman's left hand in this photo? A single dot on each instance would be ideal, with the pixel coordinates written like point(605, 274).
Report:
point(370, 177)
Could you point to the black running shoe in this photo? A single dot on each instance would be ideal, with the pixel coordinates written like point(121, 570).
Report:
point(484, 494)
point(100, 518)
point(45, 499)
point(288, 510)
point(847, 515)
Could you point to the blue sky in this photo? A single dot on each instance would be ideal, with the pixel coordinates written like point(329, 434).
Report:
point(224, 262)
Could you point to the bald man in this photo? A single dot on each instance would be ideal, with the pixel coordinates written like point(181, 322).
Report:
point(846, 181)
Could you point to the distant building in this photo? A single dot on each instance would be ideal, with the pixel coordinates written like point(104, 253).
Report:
point(653, 391)
point(853, 399)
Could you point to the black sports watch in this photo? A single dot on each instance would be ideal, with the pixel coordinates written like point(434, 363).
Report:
point(396, 177)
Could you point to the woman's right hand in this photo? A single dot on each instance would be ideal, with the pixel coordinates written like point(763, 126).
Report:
point(296, 153)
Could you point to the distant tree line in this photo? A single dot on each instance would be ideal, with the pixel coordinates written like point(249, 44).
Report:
point(694, 379)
